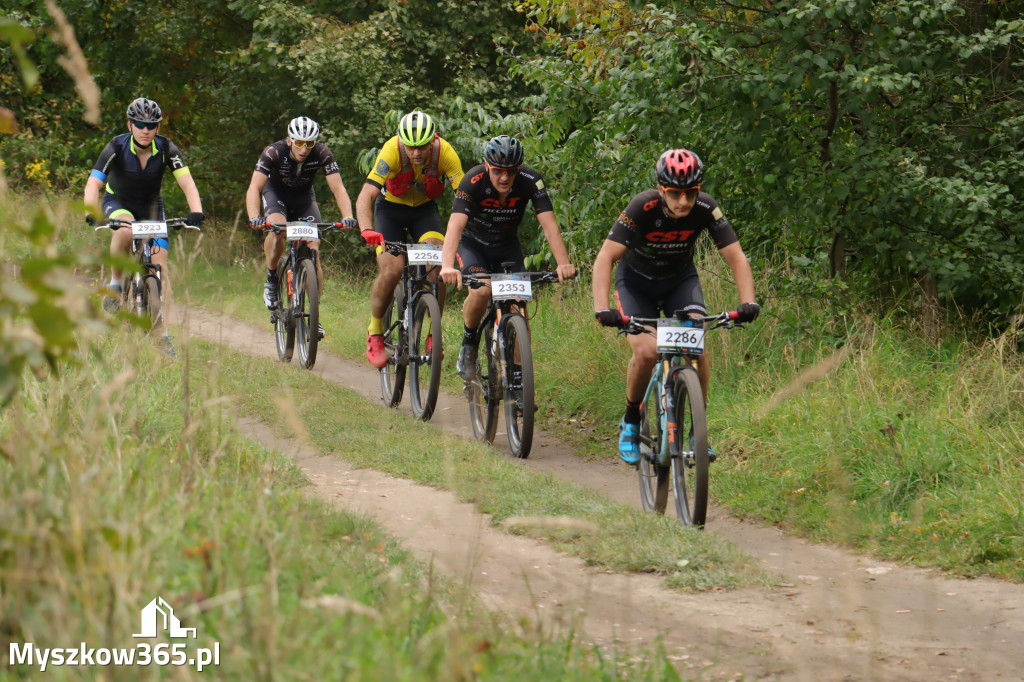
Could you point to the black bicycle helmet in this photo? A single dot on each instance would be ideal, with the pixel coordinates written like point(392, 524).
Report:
point(503, 151)
point(145, 111)
point(679, 168)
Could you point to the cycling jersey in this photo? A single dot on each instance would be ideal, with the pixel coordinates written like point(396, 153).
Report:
point(660, 247)
point(135, 187)
point(291, 179)
point(491, 221)
point(389, 165)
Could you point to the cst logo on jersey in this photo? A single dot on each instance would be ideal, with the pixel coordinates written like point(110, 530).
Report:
point(494, 203)
point(671, 236)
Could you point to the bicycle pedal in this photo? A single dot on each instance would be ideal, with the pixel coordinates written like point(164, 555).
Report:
point(273, 318)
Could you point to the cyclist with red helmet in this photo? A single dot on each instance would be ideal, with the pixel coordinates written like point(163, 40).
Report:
point(654, 238)
point(400, 194)
point(281, 188)
point(483, 231)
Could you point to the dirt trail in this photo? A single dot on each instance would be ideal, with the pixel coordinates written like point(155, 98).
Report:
point(839, 617)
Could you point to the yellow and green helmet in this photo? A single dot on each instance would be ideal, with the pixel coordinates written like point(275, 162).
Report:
point(416, 129)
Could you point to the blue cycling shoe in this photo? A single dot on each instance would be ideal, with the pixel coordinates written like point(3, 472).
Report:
point(711, 453)
point(629, 443)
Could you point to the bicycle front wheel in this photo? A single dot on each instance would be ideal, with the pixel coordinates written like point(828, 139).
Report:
point(425, 356)
point(151, 301)
point(690, 469)
point(519, 398)
point(307, 312)
point(483, 391)
point(284, 325)
point(654, 477)
point(392, 375)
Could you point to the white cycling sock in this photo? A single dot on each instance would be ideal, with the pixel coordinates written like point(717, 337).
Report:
point(115, 281)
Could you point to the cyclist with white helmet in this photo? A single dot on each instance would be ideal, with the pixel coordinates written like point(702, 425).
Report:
point(282, 185)
point(655, 237)
point(483, 231)
point(400, 194)
point(131, 170)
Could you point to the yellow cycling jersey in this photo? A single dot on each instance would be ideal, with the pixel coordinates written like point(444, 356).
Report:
point(389, 164)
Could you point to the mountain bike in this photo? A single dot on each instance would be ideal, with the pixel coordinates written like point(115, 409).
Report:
point(412, 331)
point(298, 291)
point(508, 368)
point(146, 287)
point(673, 427)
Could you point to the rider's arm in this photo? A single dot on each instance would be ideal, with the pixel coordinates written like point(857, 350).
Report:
point(340, 194)
point(364, 206)
point(188, 186)
point(737, 260)
point(252, 195)
point(93, 187)
point(452, 236)
point(549, 224)
point(610, 252)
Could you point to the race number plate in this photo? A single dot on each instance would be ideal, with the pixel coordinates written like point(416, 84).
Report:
point(515, 287)
point(680, 336)
point(302, 231)
point(425, 254)
point(149, 228)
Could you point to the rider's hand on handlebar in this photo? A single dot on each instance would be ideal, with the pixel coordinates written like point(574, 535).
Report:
point(609, 317)
point(748, 312)
point(372, 237)
point(90, 220)
point(258, 223)
point(567, 271)
point(451, 275)
point(349, 223)
point(195, 218)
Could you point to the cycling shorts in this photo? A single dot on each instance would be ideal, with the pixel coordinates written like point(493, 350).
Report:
point(403, 223)
point(115, 209)
point(476, 258)
point(302, 207)
point(636, 295)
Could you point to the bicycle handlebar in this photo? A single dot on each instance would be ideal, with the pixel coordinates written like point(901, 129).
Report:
point(176, 223)
point(639, 325)
point(477, 281)
point(278, 228)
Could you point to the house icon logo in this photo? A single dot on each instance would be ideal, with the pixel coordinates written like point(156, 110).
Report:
point(157, 615)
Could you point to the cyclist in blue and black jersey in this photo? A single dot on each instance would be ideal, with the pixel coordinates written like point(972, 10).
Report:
point(131, 169)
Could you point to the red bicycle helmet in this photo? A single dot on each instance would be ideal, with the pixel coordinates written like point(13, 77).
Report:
point(679, 168)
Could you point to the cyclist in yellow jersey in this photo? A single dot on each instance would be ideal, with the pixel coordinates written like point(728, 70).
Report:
point(398, 202)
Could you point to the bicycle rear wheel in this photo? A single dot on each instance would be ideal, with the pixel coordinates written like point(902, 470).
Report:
point(690, 470)
point(151, 301)
point(284, 325)
point(654, 478)
point(392, 375)
point(425, 353)
point(483, 390)
point(519, 398)
point(307, 312)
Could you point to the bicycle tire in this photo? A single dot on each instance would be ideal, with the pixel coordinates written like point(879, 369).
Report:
point(519, 400)
point(392, 375)
point(483, 391)
point(307, 312)
point(654, 478)
point(284, 325)
point(152, 303)
point(690, 480)
point(427, 317)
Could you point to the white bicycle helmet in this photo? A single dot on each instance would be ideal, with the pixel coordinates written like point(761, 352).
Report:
point(303, 128)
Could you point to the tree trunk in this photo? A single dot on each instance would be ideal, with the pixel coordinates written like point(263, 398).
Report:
point(929, 286)
point(837, 256)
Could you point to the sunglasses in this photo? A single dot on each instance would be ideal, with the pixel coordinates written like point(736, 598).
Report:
point(305, 144)
point(675, 193)
point(502, 172)
point(145, 125)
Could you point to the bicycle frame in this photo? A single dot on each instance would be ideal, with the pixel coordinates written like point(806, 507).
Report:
point(415, 283)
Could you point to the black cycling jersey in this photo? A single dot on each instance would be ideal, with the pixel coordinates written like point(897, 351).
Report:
point(290, 178)
point(658, 246)
point(133, 185)
point(491, 222)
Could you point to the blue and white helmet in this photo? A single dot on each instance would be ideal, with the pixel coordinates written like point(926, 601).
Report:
point(303, 128)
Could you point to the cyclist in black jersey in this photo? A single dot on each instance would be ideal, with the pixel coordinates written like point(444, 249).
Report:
point(283, 184)
point(131, 169)
point(483, 231)
point(654, 237)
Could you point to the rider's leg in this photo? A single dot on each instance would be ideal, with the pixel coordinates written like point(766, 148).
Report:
point(120, 242)
point(273, 245)
point(389, 272)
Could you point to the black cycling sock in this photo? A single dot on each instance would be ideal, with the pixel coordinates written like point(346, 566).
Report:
point(470, 337)
point(632, 415)
point(271, 275)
